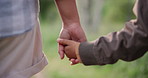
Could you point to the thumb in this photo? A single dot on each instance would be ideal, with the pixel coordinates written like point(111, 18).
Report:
point(64, 41)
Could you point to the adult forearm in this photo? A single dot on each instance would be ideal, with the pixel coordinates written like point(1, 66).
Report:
point(68, 11)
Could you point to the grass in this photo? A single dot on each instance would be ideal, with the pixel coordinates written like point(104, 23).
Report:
point(62, 69)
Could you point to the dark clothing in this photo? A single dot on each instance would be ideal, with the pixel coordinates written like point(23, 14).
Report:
point(127, 44)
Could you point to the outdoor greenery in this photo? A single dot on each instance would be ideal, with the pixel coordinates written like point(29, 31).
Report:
point(114, 13)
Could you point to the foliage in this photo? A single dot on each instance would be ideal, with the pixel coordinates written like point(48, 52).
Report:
point(118, 10)
point(48, 11)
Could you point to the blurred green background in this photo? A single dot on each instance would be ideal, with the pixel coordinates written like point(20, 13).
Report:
point(112, 16)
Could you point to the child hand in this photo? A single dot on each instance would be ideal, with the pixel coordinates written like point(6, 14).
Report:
point(71, 49)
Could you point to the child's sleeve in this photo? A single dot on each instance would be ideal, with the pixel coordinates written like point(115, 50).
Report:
point(127, 44)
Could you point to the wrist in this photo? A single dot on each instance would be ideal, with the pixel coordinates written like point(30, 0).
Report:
point(77, 53)
point(71, 25)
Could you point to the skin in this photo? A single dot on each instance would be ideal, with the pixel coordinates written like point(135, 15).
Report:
point(71, 48)
point(71, 27)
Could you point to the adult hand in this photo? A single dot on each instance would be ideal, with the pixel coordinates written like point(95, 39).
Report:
point(71, 29)
point(72, 32)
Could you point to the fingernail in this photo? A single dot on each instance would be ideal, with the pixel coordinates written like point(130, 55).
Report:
point(71, 63)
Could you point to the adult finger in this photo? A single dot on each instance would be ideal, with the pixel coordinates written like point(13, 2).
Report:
point(61, 51)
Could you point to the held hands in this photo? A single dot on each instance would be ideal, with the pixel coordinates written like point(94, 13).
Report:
point(71, 50)
point(71, 32)
point(72, 29)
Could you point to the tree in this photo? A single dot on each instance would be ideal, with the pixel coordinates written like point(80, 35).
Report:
point(90, 13)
